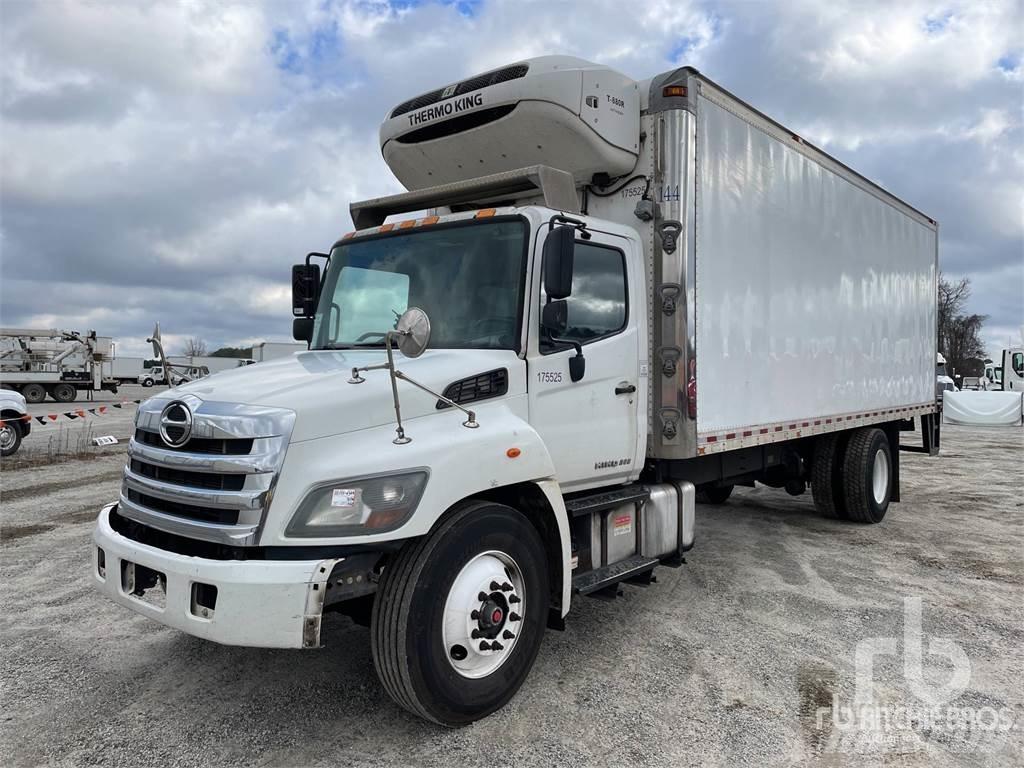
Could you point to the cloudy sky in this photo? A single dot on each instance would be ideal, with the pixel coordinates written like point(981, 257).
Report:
point(169, 161)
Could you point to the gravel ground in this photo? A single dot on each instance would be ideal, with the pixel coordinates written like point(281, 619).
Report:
point(724, 661)
point(66, 438)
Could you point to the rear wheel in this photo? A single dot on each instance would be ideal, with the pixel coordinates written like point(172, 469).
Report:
point(64, 393)
point(714, 494)
point(460, 615)
point(867, 476)
point(827, 475)
point(33, 393)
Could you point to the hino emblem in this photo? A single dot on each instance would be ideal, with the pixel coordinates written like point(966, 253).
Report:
point(176, 424)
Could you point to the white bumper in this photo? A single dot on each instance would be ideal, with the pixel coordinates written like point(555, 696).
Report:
point(259, 603)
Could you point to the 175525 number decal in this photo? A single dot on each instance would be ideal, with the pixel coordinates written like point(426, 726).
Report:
point(549, 377)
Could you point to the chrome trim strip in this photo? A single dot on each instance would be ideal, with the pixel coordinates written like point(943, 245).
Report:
point(266, 460)
point(229, 500)
point(236, 535)
point(219, 421)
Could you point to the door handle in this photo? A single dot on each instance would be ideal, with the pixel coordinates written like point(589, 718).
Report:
point(625, 388)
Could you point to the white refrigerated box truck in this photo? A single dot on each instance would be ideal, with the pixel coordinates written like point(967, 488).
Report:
point(624, 296)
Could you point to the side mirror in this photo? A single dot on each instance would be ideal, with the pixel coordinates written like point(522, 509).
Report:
point(413, 332)
point(555, 317)
point(558, 252)
point(302, 329)
point(305, 289)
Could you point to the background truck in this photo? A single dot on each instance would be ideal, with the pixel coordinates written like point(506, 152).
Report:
point(1011, 371)
point(271, 350)
point(54, 362)
point(622, 295)
point(126, 370)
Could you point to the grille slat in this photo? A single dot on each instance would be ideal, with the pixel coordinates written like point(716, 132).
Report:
point(207, 480)
point(475, 83)
point(189, 511)
point(228, 447)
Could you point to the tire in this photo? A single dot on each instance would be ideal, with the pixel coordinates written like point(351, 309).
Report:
point(33, 393)
point(64, 393)
point(867, 476)
point(827, 475)
point(409, 634)
point(147, 382)
point(10, 439)
point(714, 494)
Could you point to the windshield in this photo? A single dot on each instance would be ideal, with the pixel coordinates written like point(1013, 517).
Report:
point(467, 277)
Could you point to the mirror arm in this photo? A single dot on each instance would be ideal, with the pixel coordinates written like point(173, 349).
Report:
point(469, 423)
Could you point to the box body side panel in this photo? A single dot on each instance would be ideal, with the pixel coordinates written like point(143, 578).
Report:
point(813, 296)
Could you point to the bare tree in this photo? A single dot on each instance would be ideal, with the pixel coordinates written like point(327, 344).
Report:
point(959, 333)
point(194, 347)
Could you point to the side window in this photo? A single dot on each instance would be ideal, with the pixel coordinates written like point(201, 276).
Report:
point(1018, 363)
point(597, 305)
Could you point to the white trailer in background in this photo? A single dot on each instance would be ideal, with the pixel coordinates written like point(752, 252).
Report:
point(271, 350)
point(625, 294)
point(58, 363)
point(126, 369)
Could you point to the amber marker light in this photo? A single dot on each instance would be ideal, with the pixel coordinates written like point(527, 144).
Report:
point(513, 453)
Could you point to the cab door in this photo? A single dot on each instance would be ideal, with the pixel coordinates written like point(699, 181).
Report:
point(594, 428)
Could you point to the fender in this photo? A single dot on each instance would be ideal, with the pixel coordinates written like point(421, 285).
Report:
point(502, 451)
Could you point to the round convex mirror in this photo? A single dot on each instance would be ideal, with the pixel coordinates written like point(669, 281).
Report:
point(414, 332)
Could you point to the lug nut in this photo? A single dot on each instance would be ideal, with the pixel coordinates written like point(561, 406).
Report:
point(483, 597)
point(474, 615)
point(475, 634)
point(506, 635)
point(513, 599)
point(495, 586)
point(506, 587)
point(496, 646)
point(485, 646)
point(514, 617)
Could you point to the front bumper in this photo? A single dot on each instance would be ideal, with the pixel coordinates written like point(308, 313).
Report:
point(259, 603)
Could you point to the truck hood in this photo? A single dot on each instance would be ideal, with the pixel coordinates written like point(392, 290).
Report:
point(315, 386)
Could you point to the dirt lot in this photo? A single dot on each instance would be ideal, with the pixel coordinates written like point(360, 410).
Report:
point(64, 438)
point(725, 661)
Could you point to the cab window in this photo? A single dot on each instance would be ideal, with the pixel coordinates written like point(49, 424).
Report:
point(597, 305)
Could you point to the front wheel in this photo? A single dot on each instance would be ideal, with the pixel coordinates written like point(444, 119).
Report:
point(460, 614)
point(10, 438)
point(147, 382)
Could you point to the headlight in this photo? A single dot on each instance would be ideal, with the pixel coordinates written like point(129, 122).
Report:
point(358, 506)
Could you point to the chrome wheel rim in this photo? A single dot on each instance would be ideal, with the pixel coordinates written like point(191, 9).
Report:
point(6, 437)
point(880, 476)
point(483, 614)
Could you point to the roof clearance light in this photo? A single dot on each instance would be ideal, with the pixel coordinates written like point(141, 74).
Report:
point(430, 220)
point(485, 213)
point(674, 90)
point(407, 223)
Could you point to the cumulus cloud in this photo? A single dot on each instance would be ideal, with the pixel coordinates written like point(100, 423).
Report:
point(169, 161)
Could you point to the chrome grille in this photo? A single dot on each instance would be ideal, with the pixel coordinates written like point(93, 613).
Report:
point(217, 485)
